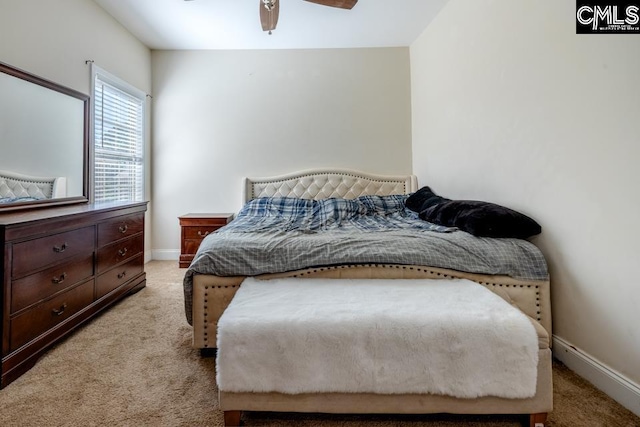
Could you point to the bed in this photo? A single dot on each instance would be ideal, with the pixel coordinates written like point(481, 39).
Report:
point(210, 286)
point(15, 187)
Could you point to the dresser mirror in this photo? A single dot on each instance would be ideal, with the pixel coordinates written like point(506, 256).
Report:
point(44, 142)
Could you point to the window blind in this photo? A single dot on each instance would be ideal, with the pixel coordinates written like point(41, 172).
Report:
point(118, 143)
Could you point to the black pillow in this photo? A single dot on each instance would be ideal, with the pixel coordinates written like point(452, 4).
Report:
point(478, 218)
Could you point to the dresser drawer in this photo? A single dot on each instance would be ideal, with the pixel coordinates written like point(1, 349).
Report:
point(32, 323)
point(111, 255)
point(120, 228)
point(50, 274)
point(37, 287)
point(34, 254)
point(116, 277)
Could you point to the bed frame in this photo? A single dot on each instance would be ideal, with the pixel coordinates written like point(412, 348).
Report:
point(36, 186)
point(212, 294)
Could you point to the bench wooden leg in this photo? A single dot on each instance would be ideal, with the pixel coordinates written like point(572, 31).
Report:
point(232, 418)
point(538, 420)
point(208, 352)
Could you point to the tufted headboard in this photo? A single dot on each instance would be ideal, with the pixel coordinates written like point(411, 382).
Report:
point(326, 183)
point(15, 185)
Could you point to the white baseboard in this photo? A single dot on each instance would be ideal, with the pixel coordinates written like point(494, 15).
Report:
point(613, 383)
point(147, 256)
point(165, 254)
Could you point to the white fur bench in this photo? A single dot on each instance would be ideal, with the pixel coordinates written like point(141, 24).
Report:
point(327, 345)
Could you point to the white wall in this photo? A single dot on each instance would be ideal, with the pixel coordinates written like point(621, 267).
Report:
point(53, 39)
point(510, 105)
point(222, 115)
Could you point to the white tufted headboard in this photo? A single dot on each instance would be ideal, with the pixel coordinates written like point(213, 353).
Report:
point(17, 185)
point(326, 183)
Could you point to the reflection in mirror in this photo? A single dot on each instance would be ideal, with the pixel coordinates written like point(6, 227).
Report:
point(43, 142)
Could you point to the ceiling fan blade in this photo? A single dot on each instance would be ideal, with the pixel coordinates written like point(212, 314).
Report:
point(269, 18)
point(343, 4)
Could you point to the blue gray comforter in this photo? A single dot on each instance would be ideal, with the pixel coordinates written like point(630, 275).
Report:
point(283, 234)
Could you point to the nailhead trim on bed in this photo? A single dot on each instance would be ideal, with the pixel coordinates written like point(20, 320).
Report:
point(206, 295)
point(337, 267)
point(521, 286)
point(325, 184)
point(206, 337)
point(13, 187)
point(537, 287)
point(342, 180)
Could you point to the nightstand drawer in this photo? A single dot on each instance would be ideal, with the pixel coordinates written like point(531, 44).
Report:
point(34, 254)
point(37, 287)
point(118, 252)
point(120, 228)
point(199, 233)
point(30, 324)
point(194, 228)
point(118, 276)
point(191, 246)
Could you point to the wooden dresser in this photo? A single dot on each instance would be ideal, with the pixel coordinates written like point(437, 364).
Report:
point(61, 267)
point(193, 228)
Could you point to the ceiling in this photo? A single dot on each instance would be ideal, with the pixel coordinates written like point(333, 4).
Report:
point(235, 24)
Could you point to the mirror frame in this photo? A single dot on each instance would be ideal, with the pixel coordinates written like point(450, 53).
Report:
point(32, 78)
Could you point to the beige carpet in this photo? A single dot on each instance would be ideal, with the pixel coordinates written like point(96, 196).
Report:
point(133, 366)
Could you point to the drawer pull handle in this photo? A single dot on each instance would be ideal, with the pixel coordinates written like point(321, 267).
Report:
point(121, 275)
point(201, 234)
point(59, 279)
point(59, 311)
point(122, 252)
point(60, 249)
point(123, 228)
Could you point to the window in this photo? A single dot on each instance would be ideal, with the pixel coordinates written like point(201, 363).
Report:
point(118, 145)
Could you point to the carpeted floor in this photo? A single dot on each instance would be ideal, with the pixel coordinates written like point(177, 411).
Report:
point(133, 366)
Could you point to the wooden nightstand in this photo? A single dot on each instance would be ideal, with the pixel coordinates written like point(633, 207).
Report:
point(194, 228)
